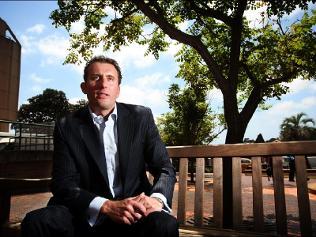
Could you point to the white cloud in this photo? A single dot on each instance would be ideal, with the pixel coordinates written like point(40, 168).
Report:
point(173, 49)
point(298, 12)
point(28, 44)
point(129, 57)
point(53, 46)
point(299, 85)
point(152, 81)
point(215, 97)
point(153, 98)
point(74, 100)
point(77, 68)
point(78, 26)
point(309, 103)
point(111, 13)
point(133, 56)
point(268, 122)
point(38, 29)
point(36, 79)
point(183, 25)
point(290, 107)
point(36, 89)
point(256, 16)
point(147, 91)
point(284, 107)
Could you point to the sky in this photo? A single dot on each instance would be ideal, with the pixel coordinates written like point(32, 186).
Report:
point(145, 80)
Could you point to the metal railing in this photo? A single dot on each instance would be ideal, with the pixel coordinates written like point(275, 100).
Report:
point(26, 136)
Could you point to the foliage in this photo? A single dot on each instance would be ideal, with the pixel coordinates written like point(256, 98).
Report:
point(47, 107)
point(248, 64)
point(297, 128)
point(79, 104)
point(191, 121)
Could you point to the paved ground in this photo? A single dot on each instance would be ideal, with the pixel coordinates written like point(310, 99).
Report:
point(25, 203)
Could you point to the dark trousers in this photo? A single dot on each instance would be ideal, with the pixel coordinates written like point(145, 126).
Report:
point(57, 221)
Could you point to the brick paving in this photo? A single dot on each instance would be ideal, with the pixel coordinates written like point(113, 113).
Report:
point(24, 203)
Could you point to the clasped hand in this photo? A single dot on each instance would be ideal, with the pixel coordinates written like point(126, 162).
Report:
point(130, 210)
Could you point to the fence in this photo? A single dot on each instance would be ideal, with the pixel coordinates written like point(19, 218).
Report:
point(26, 136)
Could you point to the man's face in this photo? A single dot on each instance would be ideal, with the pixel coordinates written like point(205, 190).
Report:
point(101, 87)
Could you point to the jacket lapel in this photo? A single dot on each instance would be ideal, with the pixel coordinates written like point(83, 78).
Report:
point(90, 136)
point(125, 128)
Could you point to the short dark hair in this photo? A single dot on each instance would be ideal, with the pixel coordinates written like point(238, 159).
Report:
point(102, 59)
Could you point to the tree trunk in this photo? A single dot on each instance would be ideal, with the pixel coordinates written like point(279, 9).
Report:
point(235, 132)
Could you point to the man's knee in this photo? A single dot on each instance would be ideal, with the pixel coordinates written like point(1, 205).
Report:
point(164, 224)
point(48, 221)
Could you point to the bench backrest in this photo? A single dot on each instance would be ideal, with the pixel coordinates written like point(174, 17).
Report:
point(255, 152)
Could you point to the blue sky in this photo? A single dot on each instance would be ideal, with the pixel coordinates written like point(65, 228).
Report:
point(145, 80)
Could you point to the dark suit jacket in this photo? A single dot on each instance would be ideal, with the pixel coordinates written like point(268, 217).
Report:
point(79, 166)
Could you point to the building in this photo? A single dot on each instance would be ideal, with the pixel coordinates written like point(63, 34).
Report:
point(10, 64)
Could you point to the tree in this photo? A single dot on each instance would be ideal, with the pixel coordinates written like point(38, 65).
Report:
point(79, 104)
point(297, 128)
point(45, 107)
point(190, 121)
point(233, 56)
point(247, 64)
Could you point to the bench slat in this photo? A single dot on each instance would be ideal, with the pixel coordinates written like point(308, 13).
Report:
point(183, 174)
point(237, 202)
point(257, 194)
point(199, 192)
point(218, 191)
point(302, 197)
point(279, 195)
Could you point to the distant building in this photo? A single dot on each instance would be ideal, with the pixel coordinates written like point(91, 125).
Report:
point(10, 64)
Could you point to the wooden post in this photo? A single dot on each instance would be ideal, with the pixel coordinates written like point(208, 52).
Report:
point(257, 194)
point(279, 195)
point(237, 203)
point(218, 192)
point(183, 175)
point(302, 197)
point(199, 192)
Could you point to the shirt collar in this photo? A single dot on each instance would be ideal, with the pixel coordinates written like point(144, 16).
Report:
point(100, 119)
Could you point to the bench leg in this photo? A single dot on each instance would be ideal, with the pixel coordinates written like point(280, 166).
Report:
point(5, 199)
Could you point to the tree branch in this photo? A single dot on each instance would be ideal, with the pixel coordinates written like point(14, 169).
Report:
point(250, 75)
point(273, 81)
point(236, 30)
point(217, 134)
point(251, 105)
point(209, 12)
point(184, 38)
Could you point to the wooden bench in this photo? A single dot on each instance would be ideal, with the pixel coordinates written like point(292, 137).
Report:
point(254, 152)
point(29, 172)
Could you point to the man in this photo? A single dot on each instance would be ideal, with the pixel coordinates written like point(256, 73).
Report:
point(101, 154)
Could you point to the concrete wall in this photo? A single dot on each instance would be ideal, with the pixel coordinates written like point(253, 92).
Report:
point(26, 164)
point(10, 62)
